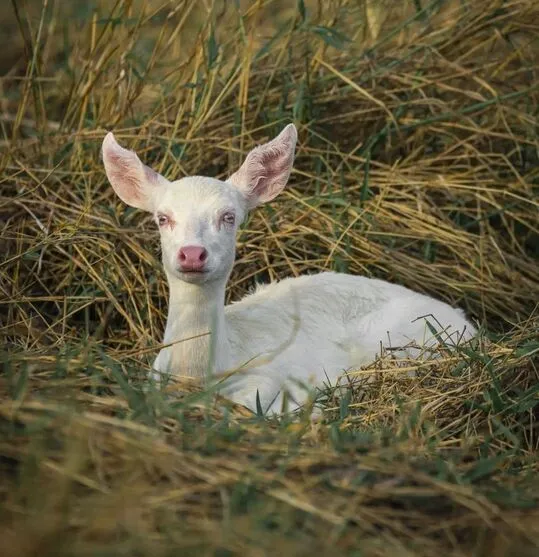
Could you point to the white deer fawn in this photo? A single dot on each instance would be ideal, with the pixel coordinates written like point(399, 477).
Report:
point(299, 331)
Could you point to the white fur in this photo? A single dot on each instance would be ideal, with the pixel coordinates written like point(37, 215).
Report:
point(303, 330)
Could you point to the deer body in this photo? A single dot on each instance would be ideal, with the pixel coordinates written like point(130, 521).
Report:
point(299, 331)
point(302, 331)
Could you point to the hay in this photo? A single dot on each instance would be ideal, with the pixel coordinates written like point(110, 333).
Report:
point(417, 162)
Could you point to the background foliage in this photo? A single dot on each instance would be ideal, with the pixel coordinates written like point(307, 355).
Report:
point(417, 162)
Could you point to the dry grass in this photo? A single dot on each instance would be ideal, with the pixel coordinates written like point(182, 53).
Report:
point(417, 162)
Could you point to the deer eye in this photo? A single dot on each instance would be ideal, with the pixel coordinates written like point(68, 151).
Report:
point(228, 218)
point(162, 220)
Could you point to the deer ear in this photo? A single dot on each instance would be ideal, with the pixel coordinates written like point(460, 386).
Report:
point(266, 169)
point(135, 183)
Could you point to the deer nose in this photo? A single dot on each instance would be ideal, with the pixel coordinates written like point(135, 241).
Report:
point(192, 258)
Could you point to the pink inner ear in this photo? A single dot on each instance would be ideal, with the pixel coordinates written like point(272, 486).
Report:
point(269, 172)
point(266, 169)
point(124, 174)
point(132, 181)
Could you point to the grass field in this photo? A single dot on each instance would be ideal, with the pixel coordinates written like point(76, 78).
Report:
point(417, 162)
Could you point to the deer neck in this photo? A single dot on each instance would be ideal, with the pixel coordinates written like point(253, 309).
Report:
point(197, 327)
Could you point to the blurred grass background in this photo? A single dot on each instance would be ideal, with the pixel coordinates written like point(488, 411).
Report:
point(417, 162)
